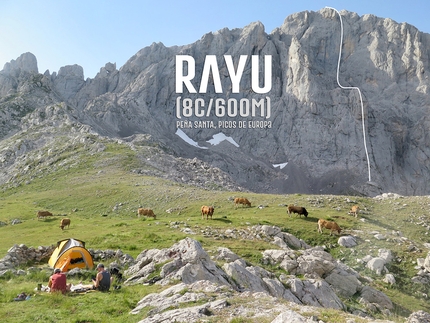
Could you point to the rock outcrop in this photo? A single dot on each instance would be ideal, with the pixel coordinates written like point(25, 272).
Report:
point(188, 263)
point(201, 285)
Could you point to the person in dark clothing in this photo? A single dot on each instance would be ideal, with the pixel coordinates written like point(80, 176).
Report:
point(103, 279)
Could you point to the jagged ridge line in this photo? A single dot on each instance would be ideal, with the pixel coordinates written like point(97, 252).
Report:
point(352, 88)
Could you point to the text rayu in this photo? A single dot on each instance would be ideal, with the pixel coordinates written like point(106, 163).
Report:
point(211, 66)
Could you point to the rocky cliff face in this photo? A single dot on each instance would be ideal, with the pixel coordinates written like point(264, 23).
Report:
point(315, 126)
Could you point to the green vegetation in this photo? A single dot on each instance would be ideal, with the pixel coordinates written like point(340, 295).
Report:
point(100, 194)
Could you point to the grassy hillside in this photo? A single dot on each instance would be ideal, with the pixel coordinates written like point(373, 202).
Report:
point(100, 195)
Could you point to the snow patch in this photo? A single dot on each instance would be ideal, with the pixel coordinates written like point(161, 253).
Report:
point(187, 139)
point(219, 137)
point(280, 165)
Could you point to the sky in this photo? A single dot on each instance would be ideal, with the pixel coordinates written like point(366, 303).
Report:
point(91, 33)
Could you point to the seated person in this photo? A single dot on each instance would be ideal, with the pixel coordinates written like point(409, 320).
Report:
point(58, 282)
point(103, 279)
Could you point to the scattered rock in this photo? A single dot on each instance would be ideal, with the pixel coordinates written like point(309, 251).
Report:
point(389, 279)
point(347, 241)
point(419, 317)
point(377, 265)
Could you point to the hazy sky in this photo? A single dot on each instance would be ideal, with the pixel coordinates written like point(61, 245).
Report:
point(92, 33)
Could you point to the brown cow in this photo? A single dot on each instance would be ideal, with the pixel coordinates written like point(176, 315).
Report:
point(330, 225)
point(241, 200)
point(208, 211)
point(297, 209)
point(355, 209)
point(43, 214)
point(64, 223)
point(146, 212)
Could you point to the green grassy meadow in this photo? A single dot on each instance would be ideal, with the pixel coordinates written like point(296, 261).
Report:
point(100, 195)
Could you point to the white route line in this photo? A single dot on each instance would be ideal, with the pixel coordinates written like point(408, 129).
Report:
point(352, 88)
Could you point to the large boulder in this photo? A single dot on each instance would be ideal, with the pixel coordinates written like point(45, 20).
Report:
point(245, 277)
point(345, 285)
point(186, 261)
point(374, 299)
point(291, 241)
point(347, 241)
point(315, 261)
point(315, 292)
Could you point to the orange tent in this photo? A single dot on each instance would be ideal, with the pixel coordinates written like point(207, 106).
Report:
point(71, 253)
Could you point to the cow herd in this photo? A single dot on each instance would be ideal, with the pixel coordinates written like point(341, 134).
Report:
point(208, 211)
point(329, 225)
point(298, 210)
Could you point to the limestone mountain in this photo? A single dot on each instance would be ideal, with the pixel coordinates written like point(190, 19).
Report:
point(314, 134)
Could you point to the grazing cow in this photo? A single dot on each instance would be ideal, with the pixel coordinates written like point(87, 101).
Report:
point(64, 223)
point(330, 225)
point(208, 211)
point(43, 214)
point(297, 209)
point(355, 209)
point(146, 212)
point(241, 200)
